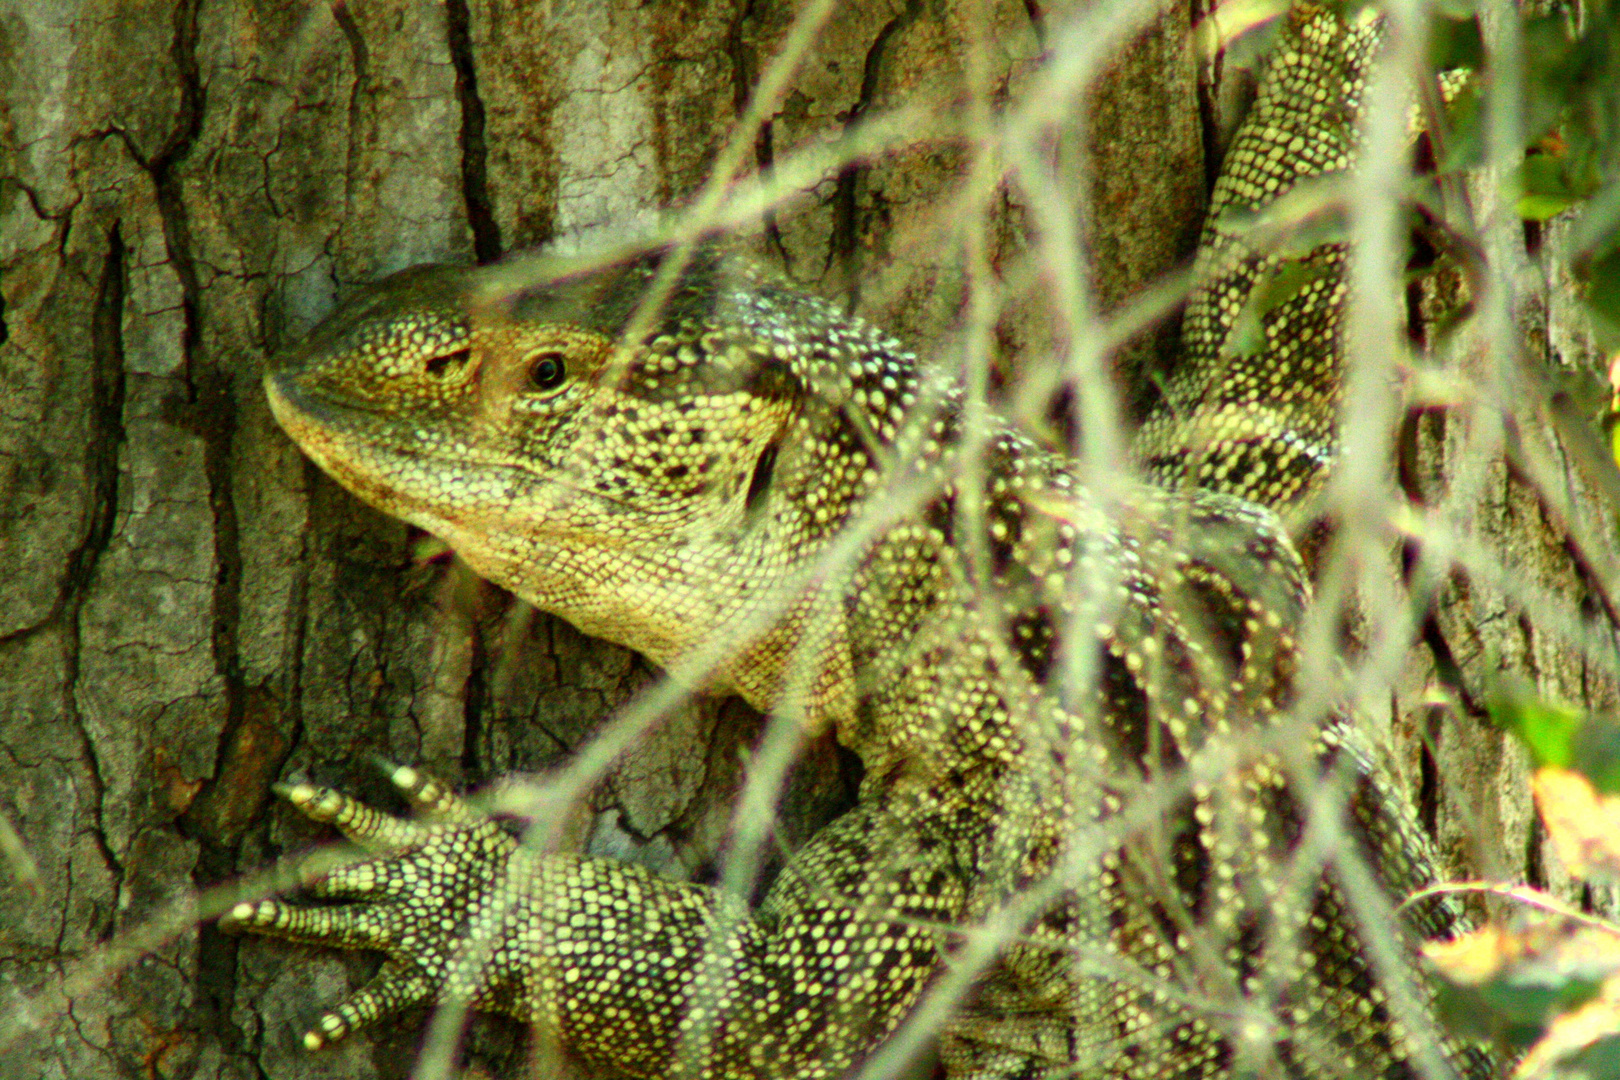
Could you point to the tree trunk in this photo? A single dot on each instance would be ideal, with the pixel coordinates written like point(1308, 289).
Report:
point(190, 611)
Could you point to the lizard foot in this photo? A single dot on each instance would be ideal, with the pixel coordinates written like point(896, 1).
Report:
point(435, 893)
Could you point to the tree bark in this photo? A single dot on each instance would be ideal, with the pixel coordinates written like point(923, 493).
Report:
point(190, 611)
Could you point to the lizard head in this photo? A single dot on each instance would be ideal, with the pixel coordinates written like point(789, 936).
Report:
point(655, 457)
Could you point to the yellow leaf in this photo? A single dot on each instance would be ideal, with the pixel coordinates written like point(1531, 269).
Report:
point(1474, 958)
point(1584, 826)
point(1514, 985)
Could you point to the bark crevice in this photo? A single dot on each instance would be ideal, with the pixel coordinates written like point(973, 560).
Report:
point(104, 445)
point(843, 249)
point(486, 231)
point(743, 59)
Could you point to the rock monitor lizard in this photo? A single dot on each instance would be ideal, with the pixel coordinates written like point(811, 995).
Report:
point(1073, 711)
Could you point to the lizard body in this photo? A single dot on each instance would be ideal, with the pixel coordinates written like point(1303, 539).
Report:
point(1053, 697)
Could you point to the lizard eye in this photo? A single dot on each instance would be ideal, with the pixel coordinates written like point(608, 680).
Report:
point(547, 370)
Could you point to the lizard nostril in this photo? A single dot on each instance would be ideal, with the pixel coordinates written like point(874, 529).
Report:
point(447, 364)
point(764, 468)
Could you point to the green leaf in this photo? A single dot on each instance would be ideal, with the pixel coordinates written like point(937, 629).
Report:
point(1509, 986)
point(1248, 337)
point(1559, 737)
point(1543, 174)
point(1464, 135)
point(1548, 731)
point(1541, 207)
point(1597, 231)
point(1595, 753)
point(1603, 286)
point(1299, 221)
point(1455, 42)
point(1244, 29)
point(1599, 1059)
point(1552, 75)
point(1544, 182)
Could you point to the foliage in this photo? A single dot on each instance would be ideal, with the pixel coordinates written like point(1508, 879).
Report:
point(1567, 114)
point(1547, 984)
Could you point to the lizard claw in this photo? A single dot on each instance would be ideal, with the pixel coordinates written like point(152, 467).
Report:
point(431, 799)
point(436, 894)
point(395, 989)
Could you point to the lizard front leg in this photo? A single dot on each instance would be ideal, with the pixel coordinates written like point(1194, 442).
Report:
point(654, 977)
point(433, 894)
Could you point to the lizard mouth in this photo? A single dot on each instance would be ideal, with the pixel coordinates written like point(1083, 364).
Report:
point(359, 445)
point(341, 437)
point(294, 406)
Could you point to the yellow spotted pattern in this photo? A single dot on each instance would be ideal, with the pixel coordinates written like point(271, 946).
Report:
point(1257, 419)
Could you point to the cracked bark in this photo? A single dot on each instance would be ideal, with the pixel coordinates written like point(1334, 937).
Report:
point(486, 233)
point(191, 611)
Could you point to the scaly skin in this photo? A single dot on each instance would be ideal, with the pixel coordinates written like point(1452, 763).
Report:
point(1260, 423)
point(1078, 707)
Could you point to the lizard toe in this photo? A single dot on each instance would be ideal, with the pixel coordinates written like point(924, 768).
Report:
point(374, 831)
point(396, 988)
point(344, 926)
point(432, 800)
